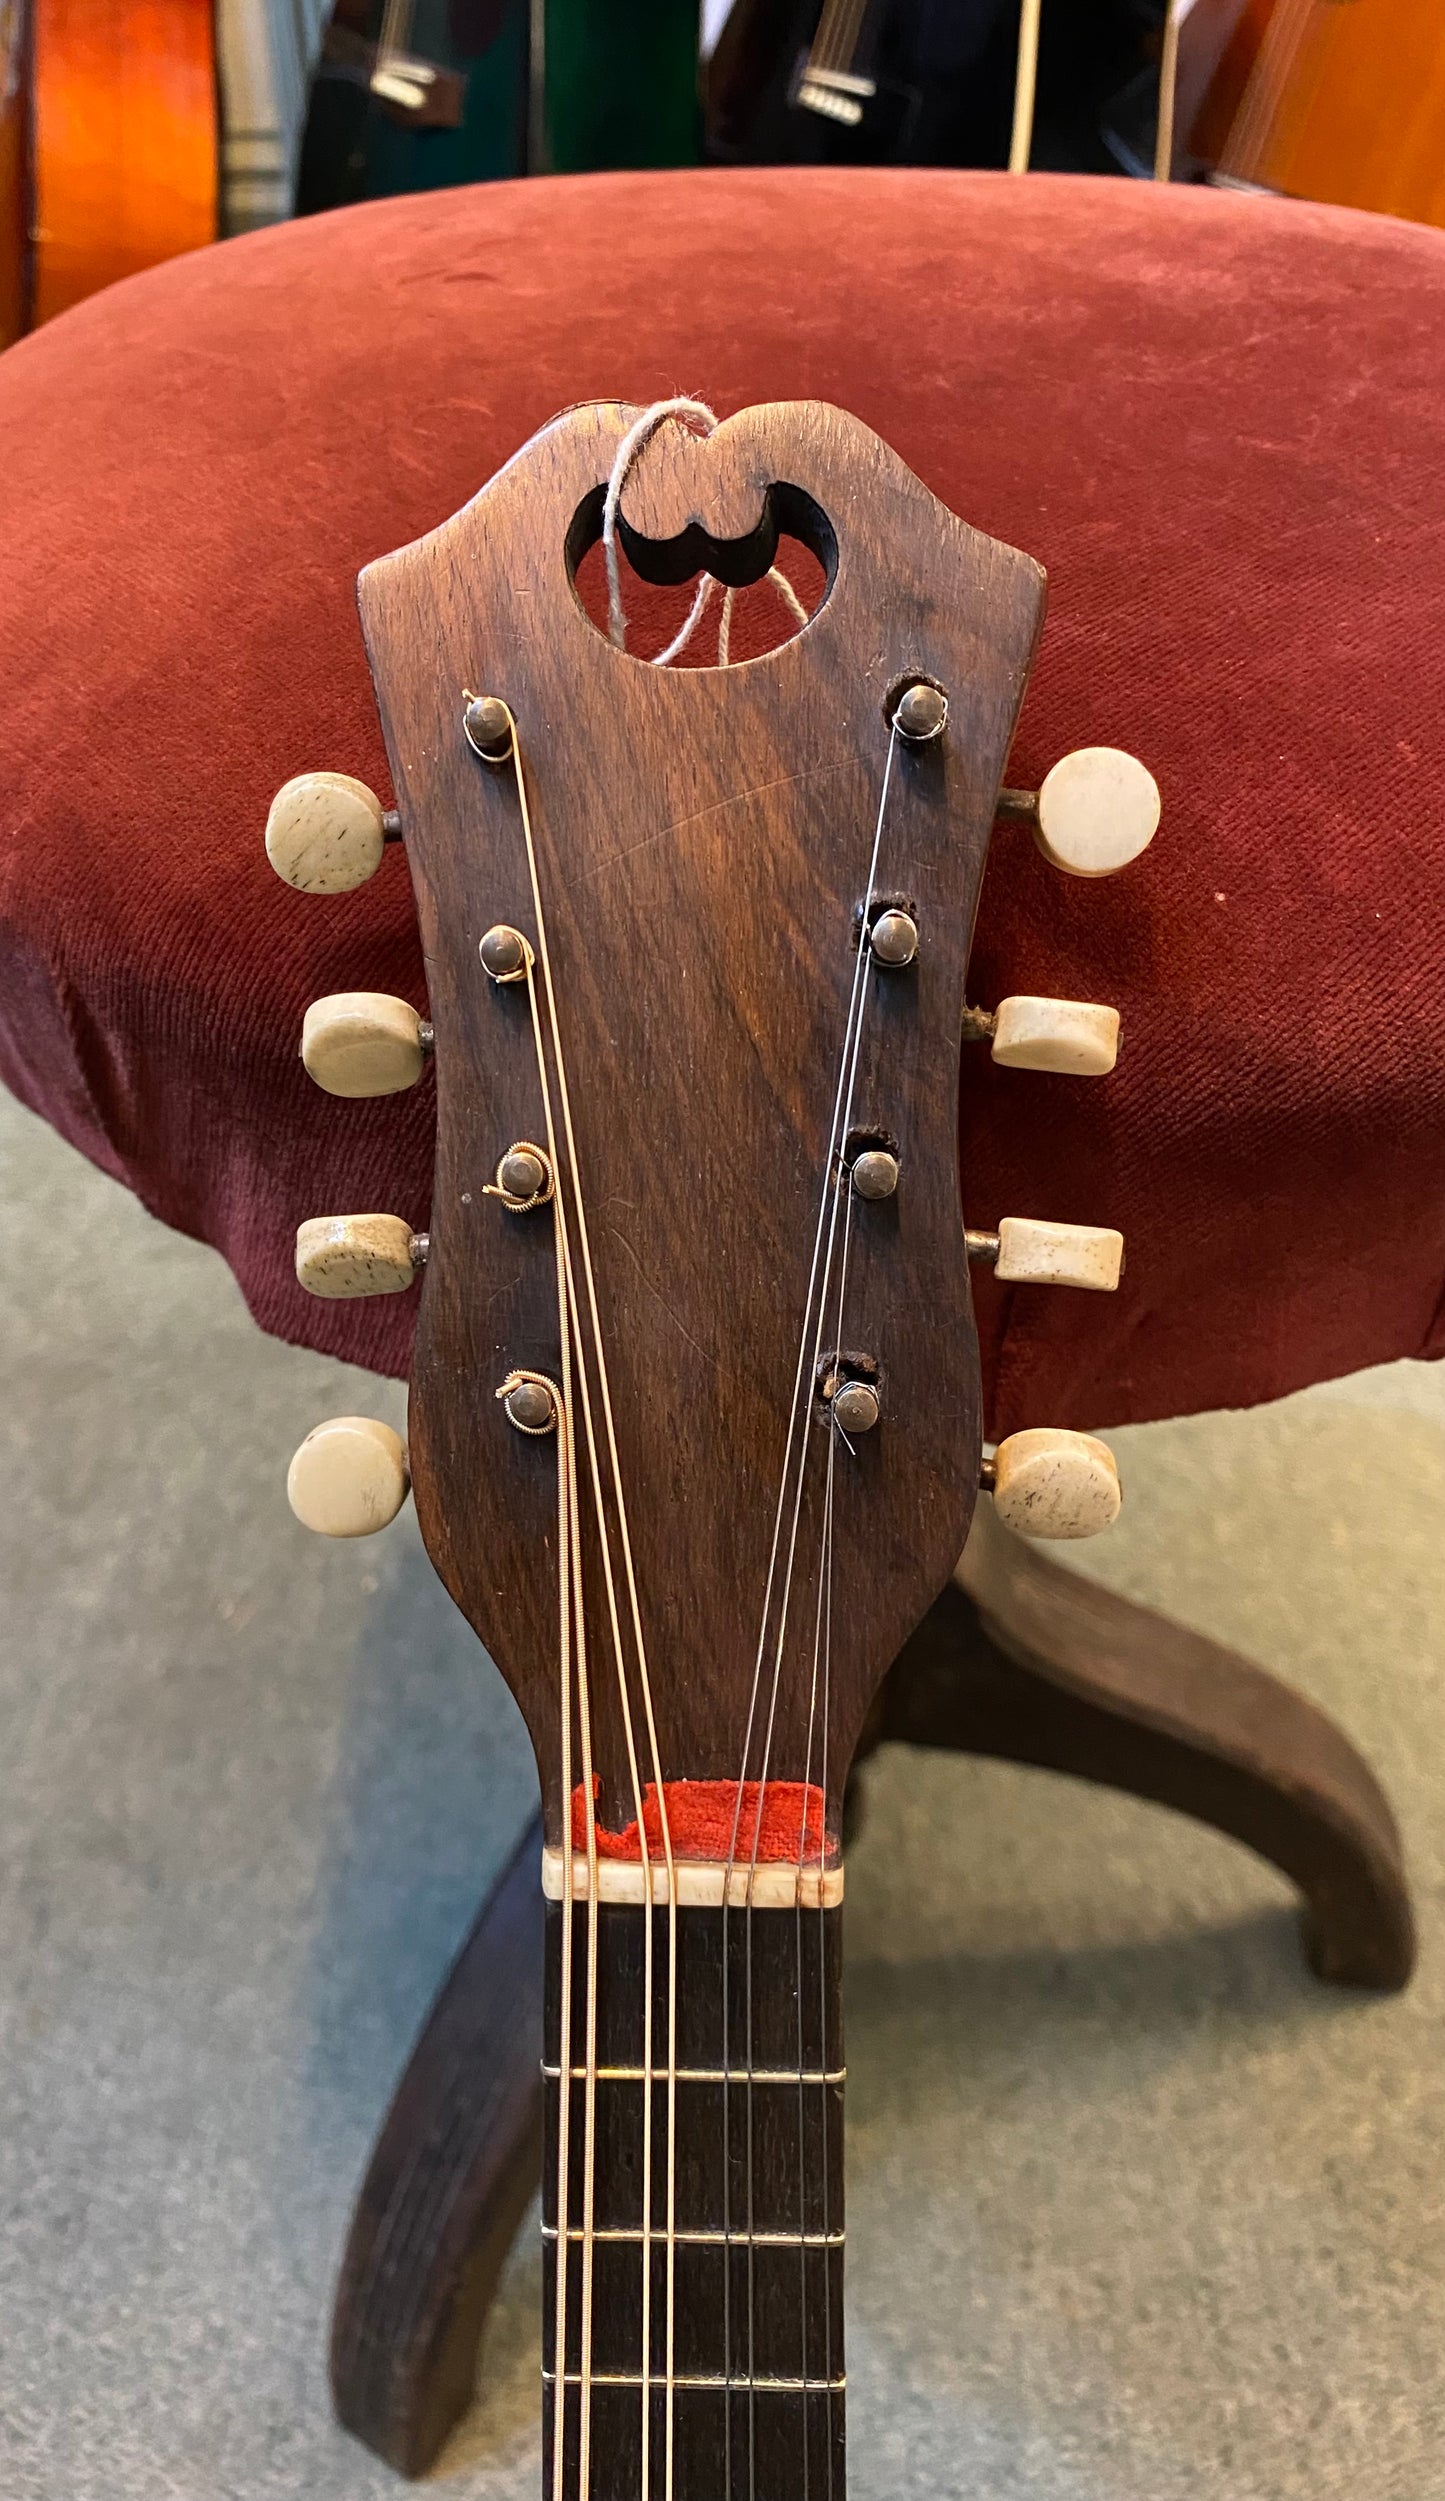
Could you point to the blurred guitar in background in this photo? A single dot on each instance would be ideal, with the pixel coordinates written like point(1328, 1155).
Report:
point(108, 145)
point(415, 95)
point(1340, 100)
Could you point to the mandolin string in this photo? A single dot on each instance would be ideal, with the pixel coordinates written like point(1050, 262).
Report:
point(822, 1633)
point(646, 1696)
point(801, 1399)
point(822, 1655)
point(570, 1571)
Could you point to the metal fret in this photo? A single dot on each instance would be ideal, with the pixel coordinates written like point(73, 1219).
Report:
point(634, 2379)
point(701, 2075)
point(658, 2236)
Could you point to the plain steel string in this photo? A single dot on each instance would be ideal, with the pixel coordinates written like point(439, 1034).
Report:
point(825, 1618)
point(843, 1102)
point(682, 410)
point(570, 1567)
point(801, 1400)
point(646, 1691)
point(572, 1322)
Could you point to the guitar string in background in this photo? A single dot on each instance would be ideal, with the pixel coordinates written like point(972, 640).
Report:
point(1026, 74)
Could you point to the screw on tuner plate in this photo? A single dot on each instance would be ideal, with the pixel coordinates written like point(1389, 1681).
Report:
point(326, 832)
point(1053, 1483)
point(349, 1477)
point(1093, 814)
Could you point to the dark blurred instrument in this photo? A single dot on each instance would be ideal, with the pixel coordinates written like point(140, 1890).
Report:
point(865, 81)
point(417, 95)
point(1340, 100)
point(108, 145)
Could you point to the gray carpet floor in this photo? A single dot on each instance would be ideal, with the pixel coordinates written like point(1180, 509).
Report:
point(1138, 2210)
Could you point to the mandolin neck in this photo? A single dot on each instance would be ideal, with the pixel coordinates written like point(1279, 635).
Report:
point(745, 2153)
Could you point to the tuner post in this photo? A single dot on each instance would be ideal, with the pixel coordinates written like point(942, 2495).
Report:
point(487, 727)
point(921, 713)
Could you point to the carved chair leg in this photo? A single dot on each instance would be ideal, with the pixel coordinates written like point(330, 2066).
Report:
point(1025, 1659)
point(453, 2170)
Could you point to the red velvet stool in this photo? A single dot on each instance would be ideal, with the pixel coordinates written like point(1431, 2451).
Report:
point(1219, 422)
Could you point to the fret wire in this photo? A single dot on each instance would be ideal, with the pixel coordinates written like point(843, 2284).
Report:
point(701, 2075)
point(634, 2379)
point(707, 2240)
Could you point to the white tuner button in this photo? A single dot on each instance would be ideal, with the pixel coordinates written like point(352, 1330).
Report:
point(325, 833)
point(362, 1042)
point(339, 1257)
point(1034, 1252)
point(1063, 1037)
point(349, 1477)
point(1056, 1484)
point(1098, 809)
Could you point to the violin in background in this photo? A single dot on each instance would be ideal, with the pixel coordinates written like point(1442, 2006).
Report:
point(108, 146)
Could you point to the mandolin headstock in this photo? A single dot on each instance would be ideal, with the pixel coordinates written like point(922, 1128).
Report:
point(695, 1427)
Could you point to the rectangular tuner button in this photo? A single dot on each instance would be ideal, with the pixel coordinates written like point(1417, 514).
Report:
point(1034, 1252)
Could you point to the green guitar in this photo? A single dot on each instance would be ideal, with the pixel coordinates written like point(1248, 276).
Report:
point(417, 95)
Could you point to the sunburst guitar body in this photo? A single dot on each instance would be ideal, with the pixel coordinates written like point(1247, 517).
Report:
point(108, 146)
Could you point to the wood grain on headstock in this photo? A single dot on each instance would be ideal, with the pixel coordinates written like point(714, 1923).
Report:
point(703, 838)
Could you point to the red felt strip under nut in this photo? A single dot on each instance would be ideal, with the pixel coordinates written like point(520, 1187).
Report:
point(777, 1820)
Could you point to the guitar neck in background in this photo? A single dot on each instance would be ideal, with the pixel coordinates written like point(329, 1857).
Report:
point(741, 2373)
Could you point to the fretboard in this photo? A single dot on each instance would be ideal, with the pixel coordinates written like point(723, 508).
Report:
point(746, 2143)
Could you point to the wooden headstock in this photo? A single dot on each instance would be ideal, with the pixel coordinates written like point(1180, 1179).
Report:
point(768, 1369)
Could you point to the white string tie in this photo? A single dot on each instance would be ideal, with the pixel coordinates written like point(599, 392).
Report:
point(696, 416)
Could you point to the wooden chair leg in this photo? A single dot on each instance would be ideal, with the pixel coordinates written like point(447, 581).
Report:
point(1020, 1658)
point(454, 2168)
point(1025, 1659)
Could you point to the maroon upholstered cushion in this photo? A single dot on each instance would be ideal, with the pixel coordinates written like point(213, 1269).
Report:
point(1220, 423)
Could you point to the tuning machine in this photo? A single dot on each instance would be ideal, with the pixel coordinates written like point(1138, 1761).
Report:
point(1028, 1250)
point(1092, 814)
point(1051, 1483)
point(326, 832)
point(340, 1258)
point(1061, 1037)
point(363, 1042)
point(349, 1477)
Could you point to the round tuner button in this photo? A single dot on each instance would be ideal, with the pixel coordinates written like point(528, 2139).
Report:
point(1053, 1483)
point(349, 1477)
point(361, 1042)
point(326, 833)
point(1098, 809)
